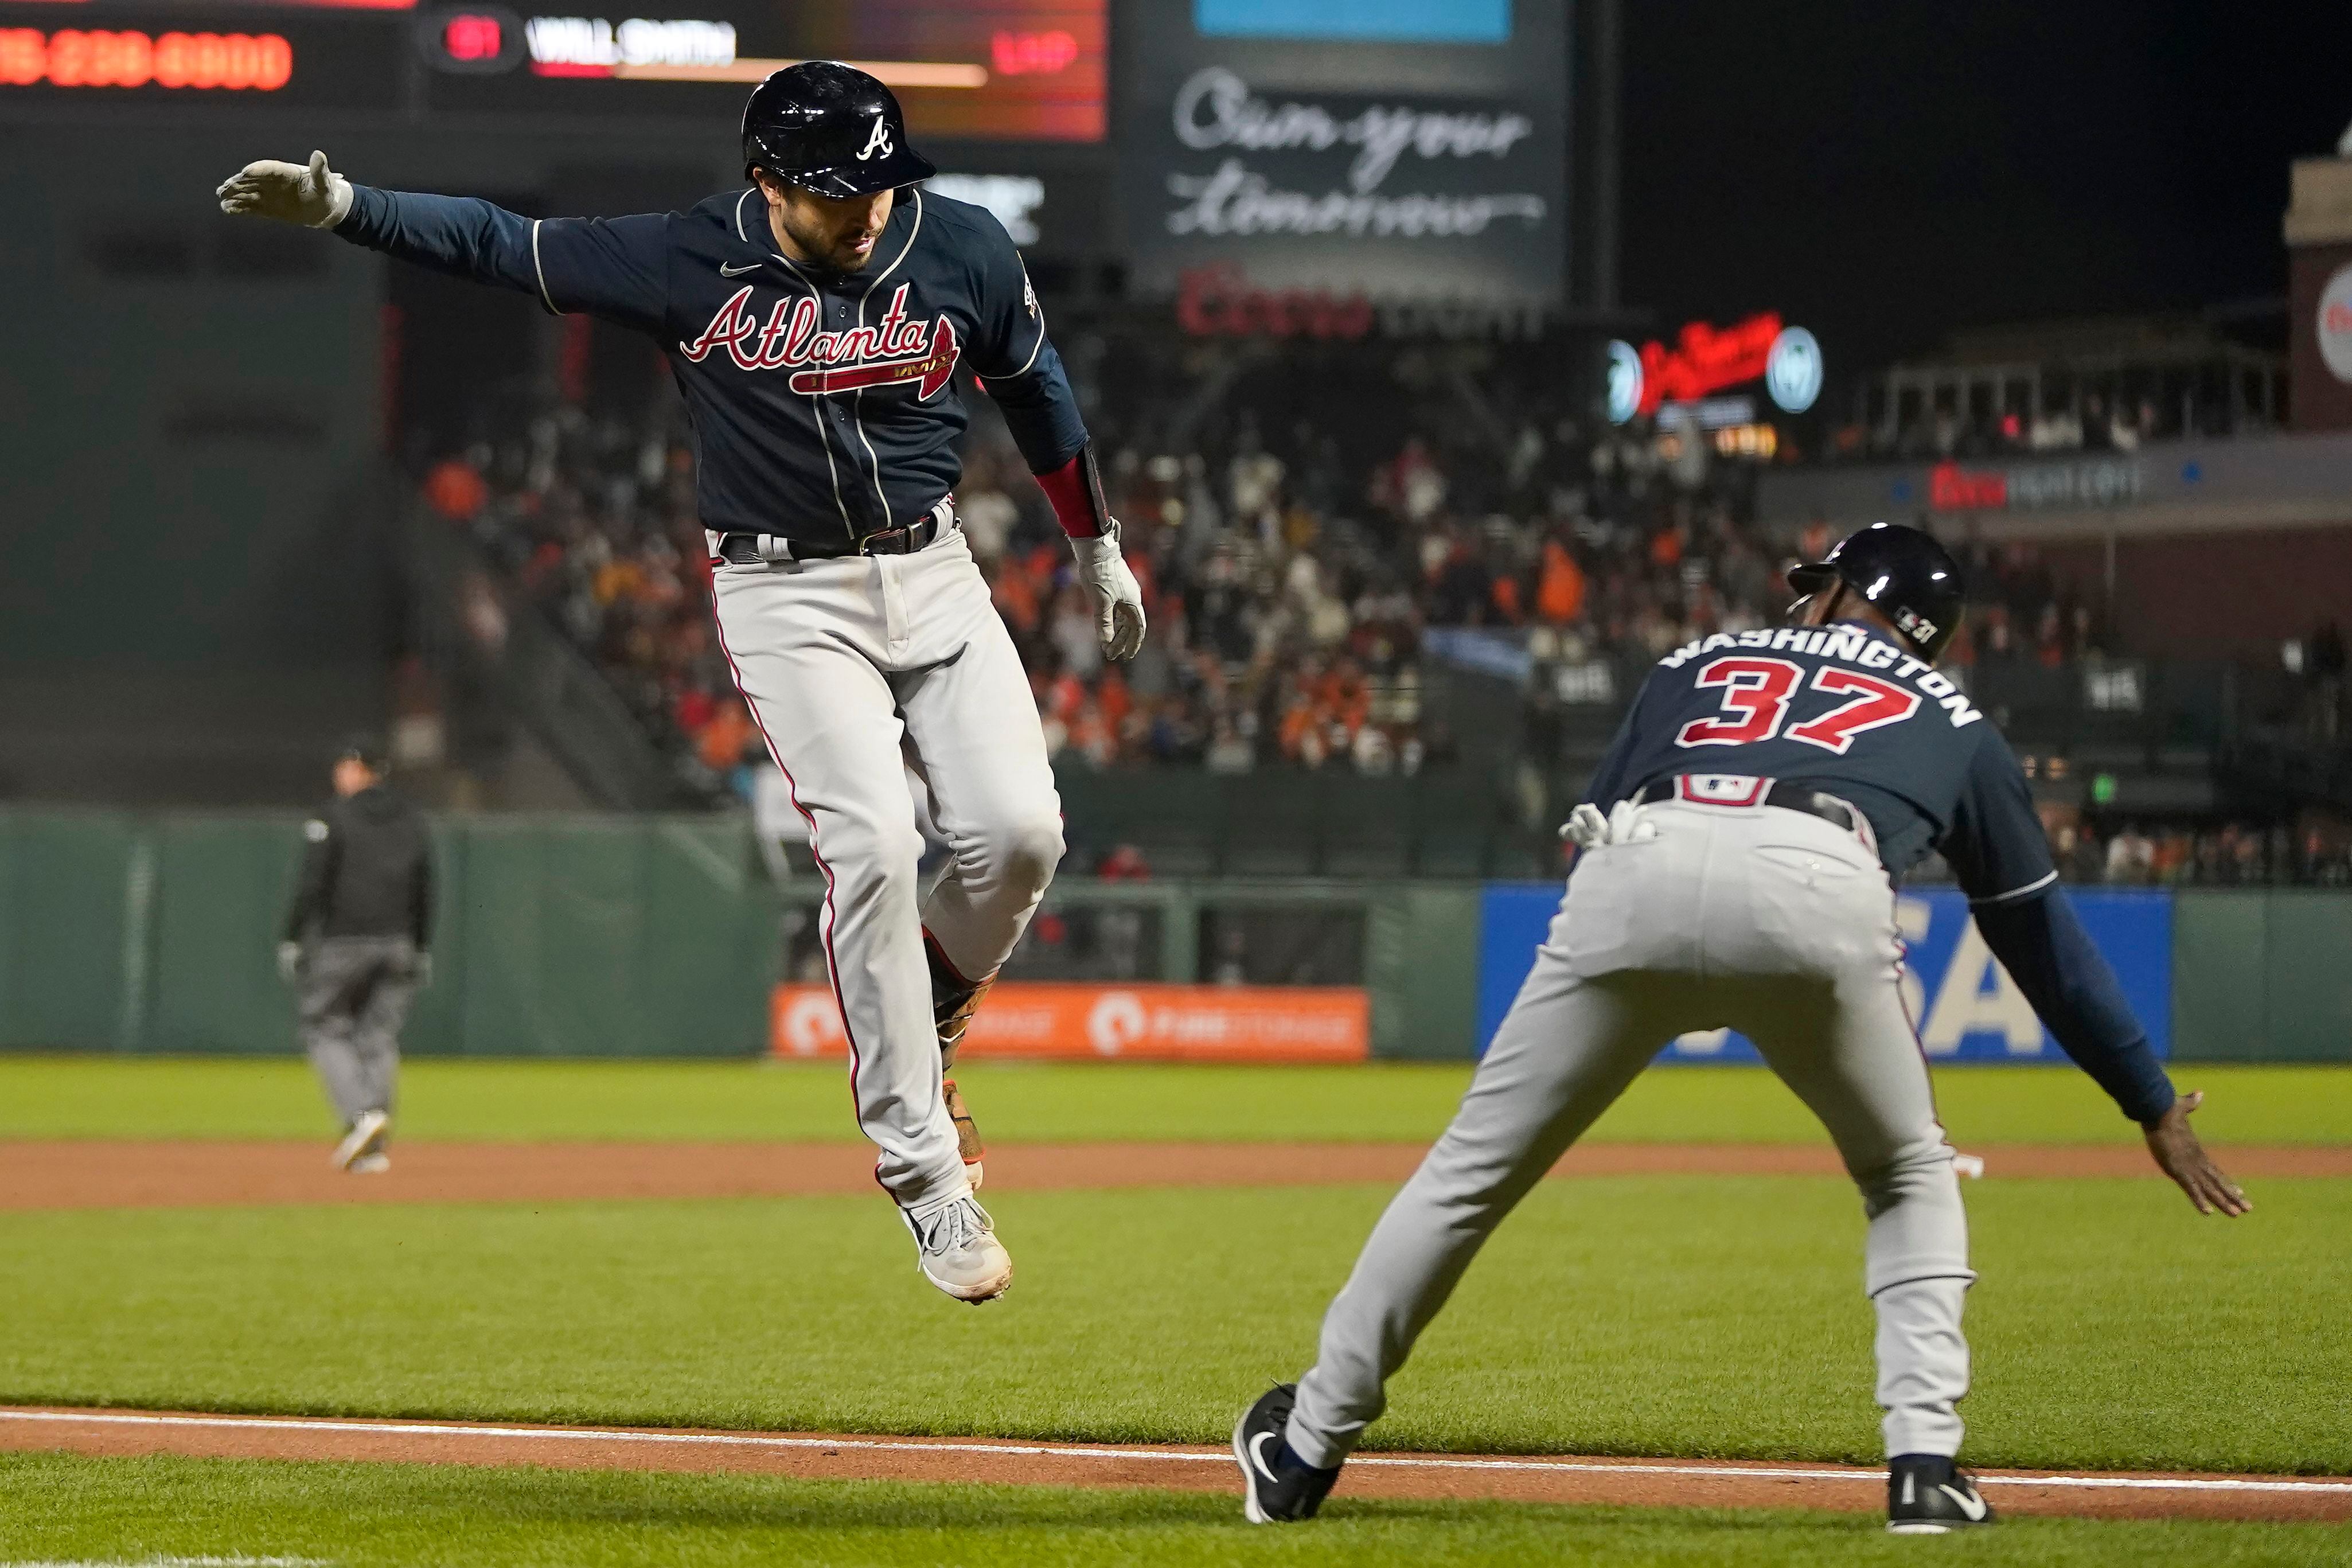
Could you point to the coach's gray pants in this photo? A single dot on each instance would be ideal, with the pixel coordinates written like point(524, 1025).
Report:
point(1771, 922)
point(355, 992)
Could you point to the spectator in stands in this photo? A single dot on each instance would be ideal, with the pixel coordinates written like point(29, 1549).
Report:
point(2077, 855)
point(2320, 864)
point(2131, 857)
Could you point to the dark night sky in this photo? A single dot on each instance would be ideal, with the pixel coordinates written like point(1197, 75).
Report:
point(1883, 171)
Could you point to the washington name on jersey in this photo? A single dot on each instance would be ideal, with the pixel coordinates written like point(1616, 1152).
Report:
point(1773, 681)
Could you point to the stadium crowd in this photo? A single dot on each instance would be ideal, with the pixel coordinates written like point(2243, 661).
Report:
point(2233, 854)
point(1289, 582)
point(1294, 568)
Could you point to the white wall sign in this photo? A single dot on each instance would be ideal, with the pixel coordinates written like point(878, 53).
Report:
point(1792, 371)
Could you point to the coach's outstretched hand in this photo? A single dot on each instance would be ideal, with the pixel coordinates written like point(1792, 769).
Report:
point(2174, 1144)
point(1118, 599)
point(312, 195)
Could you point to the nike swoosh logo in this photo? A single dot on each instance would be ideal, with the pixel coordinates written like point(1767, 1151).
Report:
point(1974, 1507)
point(1259, 1458)
point(726, 271)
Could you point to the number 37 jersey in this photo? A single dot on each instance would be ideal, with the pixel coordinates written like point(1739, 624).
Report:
point(1849, 710)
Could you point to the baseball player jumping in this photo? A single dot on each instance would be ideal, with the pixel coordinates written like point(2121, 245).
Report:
point(1738, 855)
point(815, 322)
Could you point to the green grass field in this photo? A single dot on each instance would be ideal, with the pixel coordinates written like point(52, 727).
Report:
point(115, 1097)
point(2112, 1327)
point(1652, 1315)
point(411, 1516)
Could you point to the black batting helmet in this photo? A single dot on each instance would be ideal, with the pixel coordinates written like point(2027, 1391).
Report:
point(1900, 572)
point(831, 129)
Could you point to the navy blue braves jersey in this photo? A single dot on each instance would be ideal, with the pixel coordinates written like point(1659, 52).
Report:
point(1849, 710)
point(823, 402)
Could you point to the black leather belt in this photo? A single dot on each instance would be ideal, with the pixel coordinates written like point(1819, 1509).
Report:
point(1787, 796)
point(771, 549)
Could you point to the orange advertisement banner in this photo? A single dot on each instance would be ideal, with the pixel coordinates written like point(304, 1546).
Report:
point(1147, 1023)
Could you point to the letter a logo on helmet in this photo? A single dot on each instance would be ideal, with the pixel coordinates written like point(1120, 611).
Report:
point(830, 128)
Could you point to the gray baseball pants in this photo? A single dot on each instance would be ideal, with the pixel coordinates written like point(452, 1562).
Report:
point(850, 666)
point(354, 997)
point(1772, 921)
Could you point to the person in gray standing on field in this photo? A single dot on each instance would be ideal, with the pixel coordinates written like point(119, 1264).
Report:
point(356, 946)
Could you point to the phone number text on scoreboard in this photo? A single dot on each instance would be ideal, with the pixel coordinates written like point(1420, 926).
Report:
point(213, 58)
point(104, 58)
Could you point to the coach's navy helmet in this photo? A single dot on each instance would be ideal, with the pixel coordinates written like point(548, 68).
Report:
point(832, 129)
point(1900, 572)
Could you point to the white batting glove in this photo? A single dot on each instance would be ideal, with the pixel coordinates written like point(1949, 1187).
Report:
point(1625, 823)
point(1118, 598)
point(1586, 827)
point(313, 195)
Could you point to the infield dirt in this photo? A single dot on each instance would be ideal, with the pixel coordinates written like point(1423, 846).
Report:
point(1659, 1483)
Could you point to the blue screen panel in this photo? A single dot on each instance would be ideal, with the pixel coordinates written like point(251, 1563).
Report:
point(1965, 1006)
point(1361, 21)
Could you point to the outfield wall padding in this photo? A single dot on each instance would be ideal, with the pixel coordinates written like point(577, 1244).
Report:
point(2262, 975)
point(661, 936)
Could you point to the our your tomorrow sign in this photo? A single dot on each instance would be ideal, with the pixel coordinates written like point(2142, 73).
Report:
point(1386, 173)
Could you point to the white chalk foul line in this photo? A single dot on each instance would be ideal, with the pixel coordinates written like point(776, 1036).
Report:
point(956, 1445)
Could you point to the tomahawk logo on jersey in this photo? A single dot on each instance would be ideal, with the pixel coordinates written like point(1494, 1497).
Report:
point(1851, 712)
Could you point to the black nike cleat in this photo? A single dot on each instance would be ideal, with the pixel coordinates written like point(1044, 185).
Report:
point(1926, 1494)
point(1277, 1487)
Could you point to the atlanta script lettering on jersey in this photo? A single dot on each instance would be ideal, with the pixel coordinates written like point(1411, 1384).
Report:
point(894, 349)
point(1849, 644)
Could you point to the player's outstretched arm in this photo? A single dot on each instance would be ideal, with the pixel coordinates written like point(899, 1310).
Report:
point(1997, 848)
point(2042, 942)
point(618, 269)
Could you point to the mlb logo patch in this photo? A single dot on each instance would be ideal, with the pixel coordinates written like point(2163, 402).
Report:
point(1721, 789)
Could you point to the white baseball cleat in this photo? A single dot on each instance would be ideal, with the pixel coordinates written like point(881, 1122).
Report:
point(365, 1138)
point(957, 1249)
point(374, 1164)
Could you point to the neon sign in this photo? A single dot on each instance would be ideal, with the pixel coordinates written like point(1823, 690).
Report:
point(74, 57)
point(1032, 53)
point(1220, 301)
point(1706, 360)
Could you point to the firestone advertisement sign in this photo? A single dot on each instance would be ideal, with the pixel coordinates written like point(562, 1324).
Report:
point(1386, 172)
point(1147, 1022)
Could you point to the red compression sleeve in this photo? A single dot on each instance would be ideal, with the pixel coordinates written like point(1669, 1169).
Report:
point(1076, 490)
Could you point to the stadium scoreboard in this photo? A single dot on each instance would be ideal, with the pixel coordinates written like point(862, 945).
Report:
point(977, 70)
